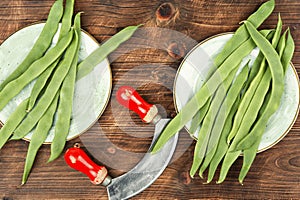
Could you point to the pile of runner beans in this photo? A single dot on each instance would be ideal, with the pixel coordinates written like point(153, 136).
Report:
point(55, 70)
point(233, 110)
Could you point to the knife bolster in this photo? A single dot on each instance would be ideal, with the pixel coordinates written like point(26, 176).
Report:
point(151, 115)
point(101, 177)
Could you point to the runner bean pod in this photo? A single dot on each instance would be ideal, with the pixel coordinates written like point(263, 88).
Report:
point(40, 84)
point(238, 119)
point(41, 45)
point(15, 86)
point(241, 34)
point(12, 122)
point(262, 87)
point(96, 57)
point(222, 145)
point(66, 21)
point(64, 110)
point(42, 105)
point(198, 118)
point(272, 106)
point(203, 94)
point(233, 94)
point(276, 71)
point(246, 143)
point(38, 137)
point(44, 77)
point(256, 65)
point(288, 51)
point(284, 45)
point(245, 102)
point(205, 131)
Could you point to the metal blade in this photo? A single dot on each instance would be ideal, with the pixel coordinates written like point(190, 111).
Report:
point(146, 171)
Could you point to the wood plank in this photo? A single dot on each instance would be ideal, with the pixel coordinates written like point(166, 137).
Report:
point(275, 173)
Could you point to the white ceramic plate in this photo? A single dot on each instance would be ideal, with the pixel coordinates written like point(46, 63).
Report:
point(91, 92)
point(193, 70)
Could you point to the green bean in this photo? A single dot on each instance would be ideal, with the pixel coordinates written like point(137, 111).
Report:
point(254, 107)
point(248, 158)
point(229, 159)
point(262, 109)
point(224, 112)
point(198, 118)
point(248, 155)
point(249, 140)
point(12, 122)
point(38, 137)
point(241, 35)
point(41, 45)
point(15, 86)
point(205, 131)
point(280, 49)
point(97, 56)
point(252, 88)
point(44, 77)
point(281, 44)
point(234, 44)
point(203, 94)
point(254, 70)
point(252, 111)
point(276, 37)
point(272, 106)
point(256, 65)
point(42, 105)
point(64, 110)
point(229, 101)
point(46, 120)
point(255, 104)
point(40, 84)
point(276, 70)
point(288, 51)
point(245, 102)
point(222, 145)
point(67, 18)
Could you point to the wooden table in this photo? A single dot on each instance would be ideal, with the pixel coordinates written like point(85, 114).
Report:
point(150, 68)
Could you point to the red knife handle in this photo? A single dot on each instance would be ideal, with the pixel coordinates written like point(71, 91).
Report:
point(131, 99)
point(79, 160)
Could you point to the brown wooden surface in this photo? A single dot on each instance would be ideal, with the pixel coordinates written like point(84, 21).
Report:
point(275, 173)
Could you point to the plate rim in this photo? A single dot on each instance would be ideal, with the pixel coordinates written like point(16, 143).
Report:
point(231, 33)
point(110, 84)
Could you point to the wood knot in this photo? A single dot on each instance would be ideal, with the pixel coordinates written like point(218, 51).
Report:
point(295, 161)
point(176, 50)
point(289, 163)
point(166, 13)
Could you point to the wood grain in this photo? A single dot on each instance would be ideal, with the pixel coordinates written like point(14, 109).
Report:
point(119, 139)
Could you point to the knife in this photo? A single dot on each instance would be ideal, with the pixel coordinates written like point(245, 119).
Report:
point(146, 171)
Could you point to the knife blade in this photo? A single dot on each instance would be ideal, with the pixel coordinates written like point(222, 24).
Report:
point(146, 171)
